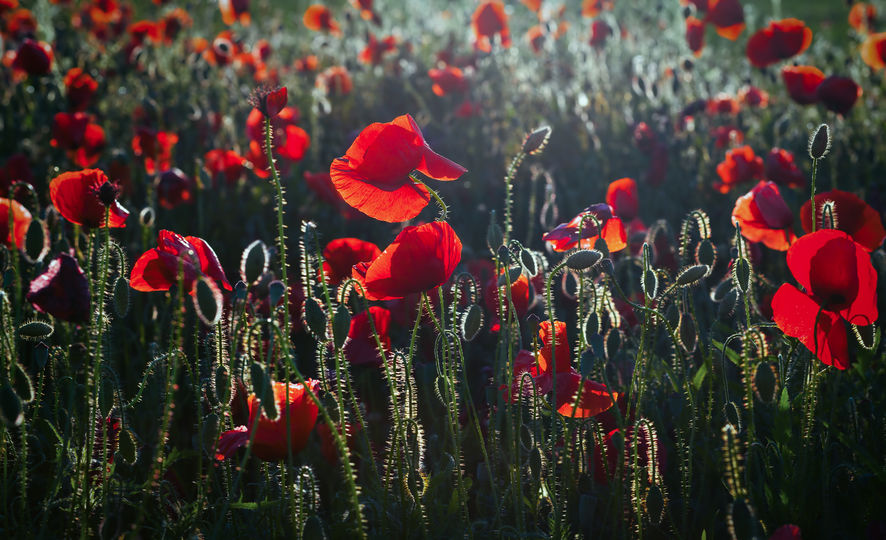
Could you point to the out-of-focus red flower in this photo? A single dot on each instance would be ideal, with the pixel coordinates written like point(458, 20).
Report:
point(172, 24)
point(600, 33)
point(222, 51)
point(33, 57)
point(76, 197)
point(489, 20)
point(838, 94)
point(319, 19)
point(841, 287)
point(16, 169)
point(18, 24)
point(271, 442)
point(765, 217)
point(306, 64)
point(533, 5)
point(367, 12)
point(468, 109)
point(227, 163)
point(727, 18)
point(234, 10)
point(62, 291)
point(726, 136)
point(862, 17)
point(779, 167)
point(80, 87)
point(852, 215)
point(519, 294)
point(780, 40)
point(592, 8)
point(788, 532)
point(873, 51)
point(373, 175)
point(802, 83)
point(335, 81)
point(21, 220)
point(644, 137)
point(376, 49)
point(448, 80)
point(140, 31)
point(158, 268)
point(741, 165)
point(79, 137)
point(173, 188)
point(360, 348)
point(658, 164)
point(566, 236)
point(154, 147)
point(695, 35)
point(420, 259)
point(342, 254)
point(535, 36)
point(753, 97)
point(722, 104)
point(622, 196)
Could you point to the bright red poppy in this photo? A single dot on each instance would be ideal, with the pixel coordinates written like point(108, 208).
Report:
point(841, 287)
point(727, 18)
point(319, 19)
point(838, 94)
point(173, 187)
point(360, 348)
point(226, 163)
point(779, 167)
point(489, 20)
point(695, 35)
point(448, 80)
point(787, 532)
point(862, 17)
point(622, 196)
point(802, 83)
point(376, 49)
point(780, 40)
point(234, 11)
point(270, 440)
point(62, 291)
point(158, 268)
point(79, 137)
point(154, 147)
point(765, 217)
point(533, 5)
point(76, 196)
point(741, 165)
point(373, 175)
point(566, 236)
point(342, 254)
point(519, 294)
point(852, 215)
point(80, 87)
point(420, 259)
point(873, 50)
point(21, 220)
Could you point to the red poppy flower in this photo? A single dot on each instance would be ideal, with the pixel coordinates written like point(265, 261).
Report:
point(173, 188)
point(33, 57)
point(235, 10)
point(658, 164)
point(21, 220)
point(367, 13)
point(592, 8)
point(765, 217)
point(76, 197)
point(644, 137)
point(753, 97)
point(841, 287)
point(270, 439)
point(342, 254)
point(600, 33)
point(19, 24)
point(566, 236)
point(449, 80)
point(727, 136)
point(722, 104)
point(838, 94)
point(489, 20)
point(227, 163)
point(862, 17)
point(360, 348)
point(80, 87)
point(172, 24)
point(741, 165)
point(546, 359)
point(622, 196)
point(802, 83)
point(319, 19)
point(375, 50)
point(420, 259)
point(62, 291)
point(335, 81)
point(535, 36)
point(533, 5)
point(79, 137)
point(158, 268)
point(853, 216)
point(779, 167)
point(780, 40)
point(155, 147)
point(519, 294)
point(727, 17)
point(873, 51)
point(306, 64)
point(16, 169)
point(373, 175)
point(695, 35)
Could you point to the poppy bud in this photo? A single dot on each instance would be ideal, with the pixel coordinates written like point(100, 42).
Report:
point(512, 275)
point(315, 318)
point(590, 326)
point(691, 275)
point(649, 284)
point(829, 215)
point(583, 259)
point(607, 267)
point(121, 296)
point(765, 382)
point(741, 273)
point(706, 253)
point(536, 141)
point(471, 322)
point(528, 262)
point(820, 142)
point(686, 332)
point(35, 330)
point(36, 241)
point(254, 261)
point(207, 301)
point(341, 324)
point(655, 504)
point(494, 235)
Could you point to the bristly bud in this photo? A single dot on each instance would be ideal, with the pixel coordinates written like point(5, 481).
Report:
point(692, 275)
point(741, 273)
point(765, 382)
point(254, 262)
point(495, 237)
point(207, 301)
point(315, 318)
point(471, 322)
point(269, 100)
point(829, 215)
point(121, 296)
point(36, 241)
point(309, 236)
point(583, 259)
point(108, 193)
point(35, 330)
point(146, 217)
point(649, 283)
point(528, 262)
point(536, 141)
point(706, 253)
point(341, 325)
point(820, 142)
point(276, 291)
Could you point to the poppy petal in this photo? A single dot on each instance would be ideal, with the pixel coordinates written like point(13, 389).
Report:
point(209, 264)
point(797, 315)
point(400, 204)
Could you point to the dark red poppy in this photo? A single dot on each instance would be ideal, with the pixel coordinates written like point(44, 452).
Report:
point(644, 137)
point(727, 18)
point(873, 51)
point(373, 175)
point(838, 94)
point(727, 136)
point(173, 188)
point(489, 20)
point(319, 19)
point(862, 17)
point(657, 170)
point(79, 137)
point(841, 287)
point(327, 441)
point(21, 220)
point(360, 348)
point(753, 97)
point(154, 147)
point(468, 109)
point(158, 268)
point(519, 294)
point(75, 195)
point(600, 33)
point(33, 57)
point(722, 104)
point(741, 165)
point(18, 24)
point(852, 215)
point(235, 11)
point(342, 254)
point(225, 163)
point(80, 87)
point(335, 81)
point(420, 259)
point(779, 167)
point(448, 80)
point(271, 442)
point(172, 24)
point(622, 196)
point(535, 36)
point(566, 236)
point(62, 291)
point(765, 217)
point(780, 40)
point(269, 101)
point(140, 31)
point(695, 35)
point(376, 49)
point(802, 83)
point(16, 169)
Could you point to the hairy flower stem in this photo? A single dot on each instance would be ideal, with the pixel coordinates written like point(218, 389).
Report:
point(549, 299)
point(812, 194)
point(281, 233)
point(509, 193)
point(444, 209)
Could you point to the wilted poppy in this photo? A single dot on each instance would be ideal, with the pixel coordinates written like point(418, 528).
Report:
point(376, 49)
point(779, 167)
point(62, 291)
point(727, 18)
point(33, 57)
point(622, 196)
point(862, 17)
point(80, 87)
point(373, 175)
point(695, 35)
point(780, 40)
point(600, 33)
point(158, 268)
point(77, 195)
point(420, 259)
point(489, 20)
point(598, 223)
point(234, 10)
point(360, 348)
point(271, 442)
point(154, 147)
point(227, 163)
point(838, 94)
point(765, 217)
point(841, 287)
point(173, 188)
point(340, 255)
point(269, 101)
point(851, 215)
point(79, 137)
point(448, 80)
point(319, 19)
point(21, 220)
point(873, 50)
point(741, 165)
point(172, 23)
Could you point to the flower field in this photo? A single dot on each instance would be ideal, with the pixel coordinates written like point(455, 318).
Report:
point(442, 269)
